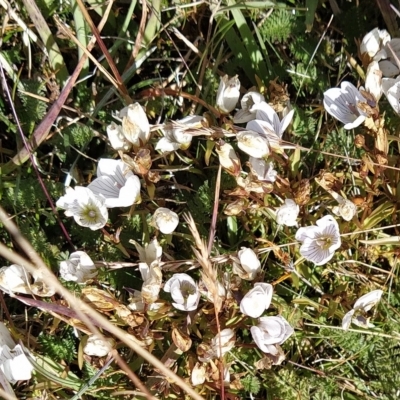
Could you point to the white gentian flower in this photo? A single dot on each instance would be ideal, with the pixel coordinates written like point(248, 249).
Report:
point(228, 94)
point(223, 342)
point(391, 88)
point(116, 137)
point(98, 347)
point(269, 332)
point(342, 104)
point(165, 220)
point(287, 213)
point(116, 183)
point(184, 292)
point(247, 265)
point(150, 252)
point(249, 103)
point(14, 364)
point(268, 124)
point(262, 170)
point(78, 268)
point(135, 125)
point(319, 242)
point(346, 209)
point(373, 43)
point(253, 144)
point(175, 136)
point(15, 279)
point(152, 279)
point(257, 300)
point(87, 208)
point(362, 305)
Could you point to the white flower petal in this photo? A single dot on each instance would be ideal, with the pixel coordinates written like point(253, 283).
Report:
point(228, 94)
point(135, 125)
point(287, 213)
point(116, 183)
point(367, 301)
point(347, 320)
point(165, 220)
point(14, 364)
point(253, 144)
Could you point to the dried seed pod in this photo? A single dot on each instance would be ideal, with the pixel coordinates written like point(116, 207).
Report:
point(301, 192)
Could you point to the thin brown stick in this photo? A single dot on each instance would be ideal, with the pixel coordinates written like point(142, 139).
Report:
point(133, 377)
point(139, 37)
point(122, 88)
point(215, 211)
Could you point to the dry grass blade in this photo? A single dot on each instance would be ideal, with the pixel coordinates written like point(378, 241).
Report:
point(209, 273)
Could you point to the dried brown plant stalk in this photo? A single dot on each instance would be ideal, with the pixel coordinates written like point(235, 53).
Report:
point(208, 274)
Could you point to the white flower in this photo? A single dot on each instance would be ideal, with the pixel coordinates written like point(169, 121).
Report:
point(15, 279)
point(78, 268)
point(165, 220)
point(346, 209)
point(87, 208)
point(391, 88)
point(343, 105)
point(247, 266)
point(116, 137)
point(321, 241)
point(248, 112)
point(14, 364)
point(184, 292)
point(175, 136)
point(135, 125)
point(253, 144)
point(152, 279)
point(257, 300)
point(116, 183)
point(373, 80)
point(362, 305)
point(262, 170)
point(372, 43)
point(267, 123)
point(98, 347)
point(269, 332)
point(150, 252)
point(228, 94)
point(287, 213)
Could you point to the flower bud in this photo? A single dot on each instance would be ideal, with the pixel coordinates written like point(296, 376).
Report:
point(228, 94)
